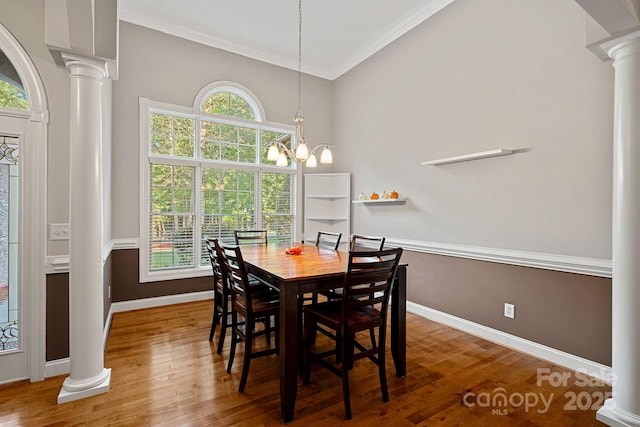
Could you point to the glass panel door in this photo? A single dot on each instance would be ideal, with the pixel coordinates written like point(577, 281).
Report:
point(14, 330)
point(9, 293)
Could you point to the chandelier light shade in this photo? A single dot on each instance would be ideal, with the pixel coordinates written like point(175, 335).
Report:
point(280, 153)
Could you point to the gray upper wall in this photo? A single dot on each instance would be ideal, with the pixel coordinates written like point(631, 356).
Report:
point(476, 76)
point(481, 75)
point(169, 69)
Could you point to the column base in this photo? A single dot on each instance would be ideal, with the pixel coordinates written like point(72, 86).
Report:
point(615, 418)
point(76, 394)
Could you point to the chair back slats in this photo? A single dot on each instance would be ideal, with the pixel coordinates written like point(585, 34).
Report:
point(210, 244)
point(250, 237)
point(369, 278)
point(236, 272)
point(367, 243)
point(328, 239)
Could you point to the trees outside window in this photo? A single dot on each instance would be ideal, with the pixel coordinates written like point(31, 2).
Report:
point(207, 174)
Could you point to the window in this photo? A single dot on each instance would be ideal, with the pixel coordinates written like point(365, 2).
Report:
point(12, 93)
point(205, 173)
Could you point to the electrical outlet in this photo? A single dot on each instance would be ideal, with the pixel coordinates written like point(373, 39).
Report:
point(58, 231)
point(509, 310)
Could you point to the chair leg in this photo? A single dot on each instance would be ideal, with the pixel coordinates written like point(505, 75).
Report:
point(372, 335)
point(309, 331)
point(346, 362)
point(382, 372)
point(216, 314)
point(214, 323)
point(248, 346)
point(234, 339)
point(267, 328)
point(224, 324)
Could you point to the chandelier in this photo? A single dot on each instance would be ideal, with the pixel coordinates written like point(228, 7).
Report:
point(279, 152)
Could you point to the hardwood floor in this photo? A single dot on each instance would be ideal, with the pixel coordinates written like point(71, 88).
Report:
point(166, 373)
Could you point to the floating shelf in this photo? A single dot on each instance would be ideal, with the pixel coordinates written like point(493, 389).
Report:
point(472, 156)
point(397, 201)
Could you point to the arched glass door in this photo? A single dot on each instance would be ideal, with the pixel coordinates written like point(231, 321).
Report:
point(14, 105)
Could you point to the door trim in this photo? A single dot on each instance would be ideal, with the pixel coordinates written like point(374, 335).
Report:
point(33, 239)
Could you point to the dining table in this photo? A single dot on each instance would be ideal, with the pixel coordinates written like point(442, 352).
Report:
point(315, 269)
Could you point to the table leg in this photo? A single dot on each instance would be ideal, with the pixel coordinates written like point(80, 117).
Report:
point(399, 321)
point(288, 358)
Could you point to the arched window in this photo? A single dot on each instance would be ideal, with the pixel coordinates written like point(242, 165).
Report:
point(207, 174)
point(225, 103)
point(12, 93)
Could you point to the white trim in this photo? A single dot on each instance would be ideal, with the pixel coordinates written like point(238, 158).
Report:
point(57, 367)
point(34, 198)
point(412, 19)
point(128, 243)
point(57, 264)
point(106, 251)
point(534, 349)
point(569, 264)
point(231, 87)
point(107, 327)
point(138, 304)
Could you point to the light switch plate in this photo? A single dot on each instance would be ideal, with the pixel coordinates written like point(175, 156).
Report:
point(58, 231)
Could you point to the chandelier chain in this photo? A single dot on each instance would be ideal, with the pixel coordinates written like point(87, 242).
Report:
point(299, 58)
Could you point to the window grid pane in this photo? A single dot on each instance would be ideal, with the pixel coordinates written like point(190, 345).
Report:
point(229, 199)
point(172, 135)
point(171, 219)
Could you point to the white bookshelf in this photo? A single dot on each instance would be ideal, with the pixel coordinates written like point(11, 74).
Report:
point(327, 205)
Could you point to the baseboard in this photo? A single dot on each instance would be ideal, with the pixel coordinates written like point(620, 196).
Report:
point(57, 367)
point(534, 349)
point(118, 307)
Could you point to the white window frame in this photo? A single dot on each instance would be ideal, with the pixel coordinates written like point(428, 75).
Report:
point(146, 107)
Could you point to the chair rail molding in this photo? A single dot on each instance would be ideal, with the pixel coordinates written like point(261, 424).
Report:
point(60, 263)
point(565, 263)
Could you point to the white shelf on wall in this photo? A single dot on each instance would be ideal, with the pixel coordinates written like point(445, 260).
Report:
point(471, 156)
point(326, 205)
point(398, 201)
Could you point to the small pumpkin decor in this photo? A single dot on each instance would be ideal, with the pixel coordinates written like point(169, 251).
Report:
point(393, 194)
point(385, 195)
point(374, 196)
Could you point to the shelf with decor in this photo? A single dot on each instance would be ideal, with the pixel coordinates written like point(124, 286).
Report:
point(398, 201)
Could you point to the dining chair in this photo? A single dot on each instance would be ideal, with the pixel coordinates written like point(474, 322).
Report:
point(250, 237)
point(360, 242)
point(221, 296)
point(328, 239)
point(363, 306)
point(254, 305)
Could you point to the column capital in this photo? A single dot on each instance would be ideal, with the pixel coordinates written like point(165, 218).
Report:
point(85, 66)
point(628, 43)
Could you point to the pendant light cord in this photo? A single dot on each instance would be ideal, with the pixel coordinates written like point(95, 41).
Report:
point(299, 58)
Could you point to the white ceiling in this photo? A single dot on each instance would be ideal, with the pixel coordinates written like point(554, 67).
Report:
point(336, 34)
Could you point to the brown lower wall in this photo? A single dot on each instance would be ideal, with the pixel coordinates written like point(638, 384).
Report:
point(126, 286)
point(57, 317)
point(566, 311)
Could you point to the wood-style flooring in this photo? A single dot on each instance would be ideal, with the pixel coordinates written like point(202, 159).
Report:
point(166, 373)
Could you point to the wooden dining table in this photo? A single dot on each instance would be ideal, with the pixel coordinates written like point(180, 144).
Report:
point(315, 269)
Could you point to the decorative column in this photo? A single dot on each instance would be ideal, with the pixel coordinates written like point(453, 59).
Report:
point(88, 375)
point(623, 409)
